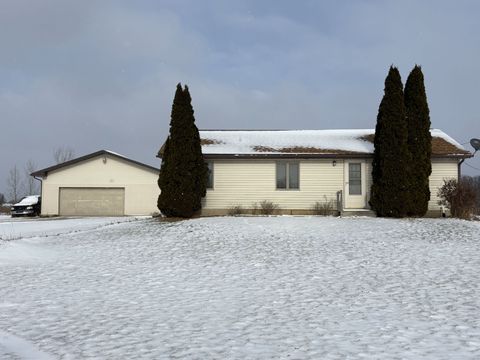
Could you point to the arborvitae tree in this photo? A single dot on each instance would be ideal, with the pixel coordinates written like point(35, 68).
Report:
point(419, 141)
point(389, 193)
point(183, 173)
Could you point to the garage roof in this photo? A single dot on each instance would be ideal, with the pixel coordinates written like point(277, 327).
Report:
point(44, 172)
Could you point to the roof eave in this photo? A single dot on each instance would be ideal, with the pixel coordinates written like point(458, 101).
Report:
point(285, 156)
point(314, 156)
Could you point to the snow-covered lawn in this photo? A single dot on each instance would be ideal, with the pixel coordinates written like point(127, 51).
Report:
point(26, 227)
point(277, 287)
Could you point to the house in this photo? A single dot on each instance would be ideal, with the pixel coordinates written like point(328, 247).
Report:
point(296, 168)
point(103, 183)
point(292, 168)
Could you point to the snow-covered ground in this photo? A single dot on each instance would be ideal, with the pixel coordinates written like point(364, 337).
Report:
point(26, 227)
point(276, 287)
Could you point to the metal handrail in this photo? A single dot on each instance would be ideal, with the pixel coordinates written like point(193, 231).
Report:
point(340, 201)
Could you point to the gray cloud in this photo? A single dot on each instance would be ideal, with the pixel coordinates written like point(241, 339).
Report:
point(102, 75)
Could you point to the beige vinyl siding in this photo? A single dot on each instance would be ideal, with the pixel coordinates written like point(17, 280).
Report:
point(140, 184)
point(441, 169)
point(244, 182)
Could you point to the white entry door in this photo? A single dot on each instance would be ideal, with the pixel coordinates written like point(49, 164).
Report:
point(355, 187)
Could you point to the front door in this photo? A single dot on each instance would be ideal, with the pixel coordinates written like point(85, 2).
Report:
point(355, 189)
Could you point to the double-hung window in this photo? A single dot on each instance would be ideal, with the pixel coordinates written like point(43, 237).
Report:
point(288, 175)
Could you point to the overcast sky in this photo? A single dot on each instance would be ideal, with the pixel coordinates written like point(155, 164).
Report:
point(102, 74)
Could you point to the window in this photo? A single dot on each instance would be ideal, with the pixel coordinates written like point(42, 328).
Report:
point(210, 175)
point(288, 175)
point(355, 179)
point(281, 175)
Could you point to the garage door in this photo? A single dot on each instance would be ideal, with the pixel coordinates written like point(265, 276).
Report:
point(92, 201)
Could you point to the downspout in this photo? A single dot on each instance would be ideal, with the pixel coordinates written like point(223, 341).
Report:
point(460, 169)
point(41, 191)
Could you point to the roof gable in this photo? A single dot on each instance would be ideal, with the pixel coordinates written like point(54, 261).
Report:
point(44, 172)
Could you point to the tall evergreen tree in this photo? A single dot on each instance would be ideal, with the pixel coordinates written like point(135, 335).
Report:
point(389, 193)
point(419, 141)
point(183, 173)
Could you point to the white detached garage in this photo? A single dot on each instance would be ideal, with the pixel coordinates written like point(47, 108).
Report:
point(103, 183)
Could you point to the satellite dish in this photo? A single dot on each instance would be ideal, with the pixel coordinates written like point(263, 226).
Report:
point(475, 144)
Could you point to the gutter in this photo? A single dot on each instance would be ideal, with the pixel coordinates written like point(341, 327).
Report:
point(316, 156)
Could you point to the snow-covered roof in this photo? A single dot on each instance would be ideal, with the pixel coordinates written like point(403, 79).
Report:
point(316, 143)
point(282, 141)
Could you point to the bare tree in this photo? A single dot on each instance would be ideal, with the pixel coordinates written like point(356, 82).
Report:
point(63, 154)
point(2, 199)
point(475, 181)
point(14, 184)
point(31, 183)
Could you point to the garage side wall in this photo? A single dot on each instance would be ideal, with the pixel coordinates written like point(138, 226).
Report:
point(140, 184)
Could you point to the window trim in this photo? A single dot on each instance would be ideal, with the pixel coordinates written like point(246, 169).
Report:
point(287, 175)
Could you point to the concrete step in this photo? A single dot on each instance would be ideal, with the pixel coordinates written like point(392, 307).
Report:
point(358, 212)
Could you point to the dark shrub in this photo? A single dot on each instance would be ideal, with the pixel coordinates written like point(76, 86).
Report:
point(459, 197)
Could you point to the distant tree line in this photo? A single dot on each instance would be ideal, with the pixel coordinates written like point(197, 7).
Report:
point(476, 185)
point(475, 181)
point(20, 183)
